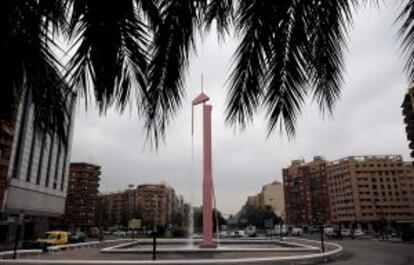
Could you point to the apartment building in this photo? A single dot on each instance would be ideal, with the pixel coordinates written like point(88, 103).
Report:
point(366, 189)
point(306, 192)
point(271, 195)
point(115, 206)
point(255, 200)
point(82, 194)
point(155, 202)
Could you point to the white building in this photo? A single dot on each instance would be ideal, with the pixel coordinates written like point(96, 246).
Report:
point(273, 196)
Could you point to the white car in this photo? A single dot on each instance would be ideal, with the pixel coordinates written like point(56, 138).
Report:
point(251, 230)
point(358, 232)
point(237, 233)
point(119, 233)
point(329, 231)
point(345, 232)
point(297, 231)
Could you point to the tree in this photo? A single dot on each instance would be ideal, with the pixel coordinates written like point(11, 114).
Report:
point(198, 218)
point(137, 50)
point(256, 216)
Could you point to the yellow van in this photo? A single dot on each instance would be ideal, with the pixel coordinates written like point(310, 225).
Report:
point(54, 238)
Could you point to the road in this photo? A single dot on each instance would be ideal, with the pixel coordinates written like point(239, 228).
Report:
point(368, 252)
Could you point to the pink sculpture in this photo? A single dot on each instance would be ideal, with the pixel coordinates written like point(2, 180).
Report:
point(207, 172)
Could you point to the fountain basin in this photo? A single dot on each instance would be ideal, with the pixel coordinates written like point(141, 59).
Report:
point(181, 246)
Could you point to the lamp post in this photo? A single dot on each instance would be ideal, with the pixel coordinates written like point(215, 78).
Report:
point(382, 220)
point(154, 231)
point(131, 213)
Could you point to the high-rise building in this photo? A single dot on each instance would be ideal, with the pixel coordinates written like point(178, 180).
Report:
point(408, 113)
point(306, 192)
point(82, 194)
point(366, 189)
point(255, 200)
point(271, 195)
point(37, 171)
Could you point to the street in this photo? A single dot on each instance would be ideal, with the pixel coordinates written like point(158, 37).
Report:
point(367, 252)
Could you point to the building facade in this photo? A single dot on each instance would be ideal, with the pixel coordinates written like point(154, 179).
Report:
point(6, 143)
point(408, 113)
point(82, 195)
point(158, 203)
point(37, 173)
point(271, 195)
point(154, 202)
point(115, 210)
point(367, 189)
point(306, 193)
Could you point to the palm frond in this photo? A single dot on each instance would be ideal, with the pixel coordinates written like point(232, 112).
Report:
point(298, 50)
point(111, 56)
point(222, 13)
point(327, 24)
point(172, 43)
point(29, 67)
point(253, 20)
point(287, 75)
point(407, 34)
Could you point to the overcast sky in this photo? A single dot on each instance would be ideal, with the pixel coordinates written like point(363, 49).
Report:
point(366, 120)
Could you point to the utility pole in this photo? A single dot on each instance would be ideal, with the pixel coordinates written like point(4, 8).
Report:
point(19, 228)
point(154, 232)
point(130, 187)
point(322, 239)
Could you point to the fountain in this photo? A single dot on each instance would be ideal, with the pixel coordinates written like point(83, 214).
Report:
point(207, 250)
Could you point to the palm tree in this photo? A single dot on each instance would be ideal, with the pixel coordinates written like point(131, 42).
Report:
point(137, 50)
point(292, 49)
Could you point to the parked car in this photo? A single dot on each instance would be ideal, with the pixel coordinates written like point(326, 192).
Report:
point(345, 232)
point(77, 237)
point(237, 233)
point(280, 230)
point(296, 231)
point(358, 233)
point(251, 231)
point(223, 234)
point(51, 238)
point(93, 232)
point(119, 233)
point(329, 231)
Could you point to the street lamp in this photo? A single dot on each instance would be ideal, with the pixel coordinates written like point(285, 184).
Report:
point(131, 187)
point(154, 231)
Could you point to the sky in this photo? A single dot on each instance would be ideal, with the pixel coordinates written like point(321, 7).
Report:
point(367, 120)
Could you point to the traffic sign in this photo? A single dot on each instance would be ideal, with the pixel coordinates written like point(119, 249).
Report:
point(134, 224)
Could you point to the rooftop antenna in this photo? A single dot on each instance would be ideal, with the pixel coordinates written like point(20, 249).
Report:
point(202, 82)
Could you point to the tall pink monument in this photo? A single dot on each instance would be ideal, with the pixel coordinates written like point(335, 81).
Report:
point(207, 172)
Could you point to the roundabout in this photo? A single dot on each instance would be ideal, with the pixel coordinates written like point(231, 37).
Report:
point(177, 251)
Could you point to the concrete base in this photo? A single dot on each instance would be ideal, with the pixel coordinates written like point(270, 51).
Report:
point(213, 245)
